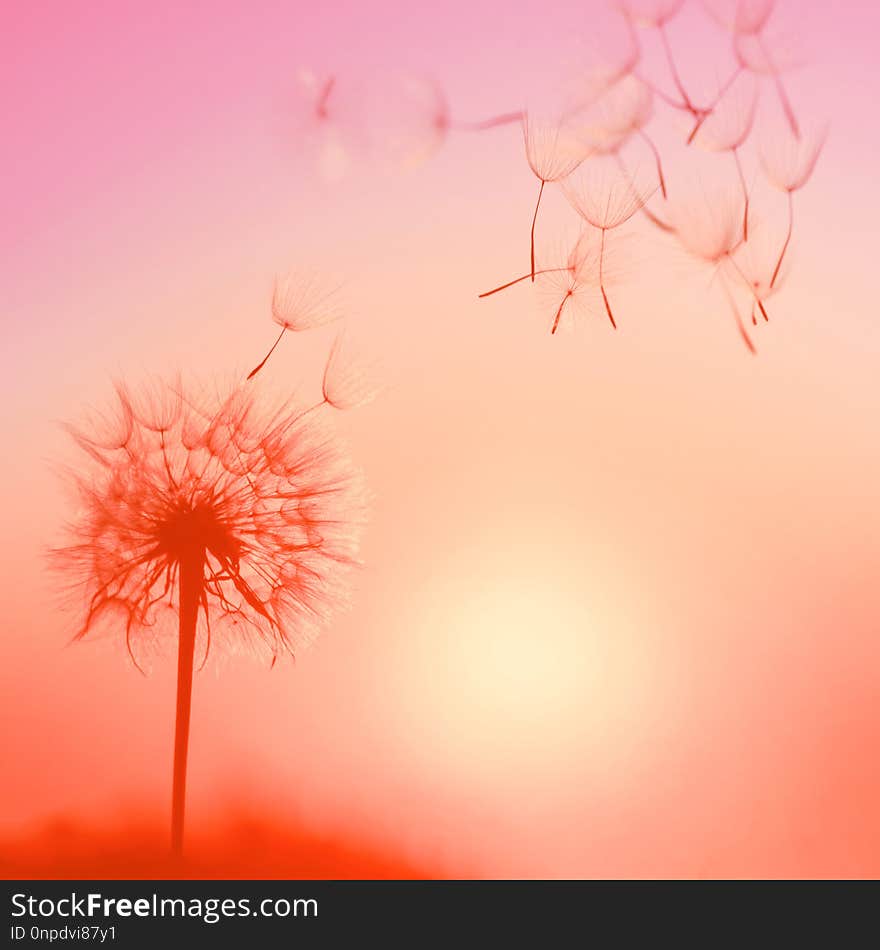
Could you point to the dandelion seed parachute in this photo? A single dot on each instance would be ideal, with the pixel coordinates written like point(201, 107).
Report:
point(552, 153)
point(770, 57)
point(711, 231)
point(606, 198)
point(789, 166)
point(300, 301)
point(727, 128)
point(572, 287)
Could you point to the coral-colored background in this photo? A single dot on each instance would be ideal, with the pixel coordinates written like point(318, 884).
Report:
point(619, 611)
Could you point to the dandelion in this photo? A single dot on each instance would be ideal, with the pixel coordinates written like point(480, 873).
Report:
point(727, 129)
point(789, 166)
point(606, 199)
point(300, 302)
point(552, 154)
point(217, 520)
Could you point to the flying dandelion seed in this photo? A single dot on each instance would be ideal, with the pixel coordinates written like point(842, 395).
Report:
point(606, 199)
point(711, 231)
point(618, 115)
point(215, 519)
point(656, 15)
point(573, 290)
point(728, 127)
point(407, 118)
point(789, 165)
point(552, 154)
point(569, 281)
point(770, 57)
point(321, 122)
point(756, 262)
point(300, 302)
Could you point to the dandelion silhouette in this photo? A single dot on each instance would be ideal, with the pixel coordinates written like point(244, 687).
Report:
point(606, 198)
point(789, 166)
point(219, 520)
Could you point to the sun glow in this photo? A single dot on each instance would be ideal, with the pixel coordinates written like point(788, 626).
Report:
point(523, 673)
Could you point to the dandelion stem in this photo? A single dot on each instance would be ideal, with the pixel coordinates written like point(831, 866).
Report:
point(673, 69)
point(739, 323)
point(559, 312)
point(705, 113)
point(192, 581)
point(657, 160)
point(752, 289)
point(511, 283)
point(534, 219)
point(265, 359)
point(602, 280)
point(506, 118)
point(745, 191)
point(787, 239)
point(784, 101)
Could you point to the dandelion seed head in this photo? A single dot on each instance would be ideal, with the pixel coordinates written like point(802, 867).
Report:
point(264, 498)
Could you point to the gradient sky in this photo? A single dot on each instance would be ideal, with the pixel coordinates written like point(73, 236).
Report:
point(619, 611)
